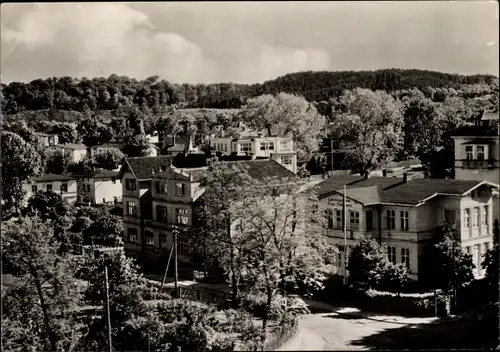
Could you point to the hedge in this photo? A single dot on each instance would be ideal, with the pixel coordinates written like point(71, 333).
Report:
point(281, 335)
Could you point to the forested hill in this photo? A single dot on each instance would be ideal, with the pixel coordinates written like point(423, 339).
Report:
point(111, 93)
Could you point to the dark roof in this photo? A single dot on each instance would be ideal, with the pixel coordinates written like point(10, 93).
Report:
point(416, 191)
point(257, 169)
point(142, 167)
point(52, 177)
point(392, 190)
point(479, 141)
point(338, 182)
point(97, 174)
point(71, 146)
point(466, 131)
point(43, 134)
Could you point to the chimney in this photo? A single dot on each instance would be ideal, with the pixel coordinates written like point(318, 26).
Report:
point(405, 177)
point(384, 173)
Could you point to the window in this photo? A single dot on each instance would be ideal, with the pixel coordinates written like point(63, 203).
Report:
point(246, 147)
point(330, 218)
point(180, 189)
point(480, 152)
point(467, 218)
point(450, 217)
point(475, 219)
point(130, 184)
point(113, 180)
point(467, 249)
point(161, 213)
point(266, 145)
point(182, 217)
point(131, 208)
point(162, 239)
point(468, 153)
point(484, 216)
point(49, 188)
point(88, 188)
point(157, 186)
point(150, 239)
point(284, 145)
point(64, 187)
point(391, 219)
point(132, 236)
point(391, 254)
point(338, 218)
point(404, 221)
point(183, 247)
point(286, 160)
point(225, 147)
point(34, 189)
point(369, 220)
point(354, 216)
point(405, 257)
point(486, 246)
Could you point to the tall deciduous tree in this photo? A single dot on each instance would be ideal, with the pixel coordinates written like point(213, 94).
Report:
point(453, 266)
point(94, 132)
point(50, 293)
point(108, 159)
point(20, 161)
point(372, 124)
point(221, 207)
point(57, 162)
point(137, 145)
point(286, 115)
point(287, 252)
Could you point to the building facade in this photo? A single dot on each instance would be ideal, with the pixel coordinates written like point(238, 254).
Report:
point(48, 139)
point(76, 151)
point(280, 149)
point(65, 185)
point(166, 201)
point(405, 214)
point(99, 187)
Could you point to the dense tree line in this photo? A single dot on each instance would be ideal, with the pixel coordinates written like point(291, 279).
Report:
point(114, 92)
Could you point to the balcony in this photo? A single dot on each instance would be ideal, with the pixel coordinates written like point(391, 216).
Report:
point(478, 164)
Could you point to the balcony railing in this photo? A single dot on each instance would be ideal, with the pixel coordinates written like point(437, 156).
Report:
point(478, 164)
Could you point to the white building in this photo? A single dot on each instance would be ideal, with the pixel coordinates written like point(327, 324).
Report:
point(101, 186)
point(76, 151)
point(48, 139)
point(405, 214)
point(65, 185)
point(280, 149)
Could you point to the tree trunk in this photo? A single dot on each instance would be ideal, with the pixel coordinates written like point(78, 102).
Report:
point(38, 286)
point(269, 132)
point(234, 281)
point(268, 308)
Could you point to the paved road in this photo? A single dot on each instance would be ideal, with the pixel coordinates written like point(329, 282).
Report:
point(338, 329)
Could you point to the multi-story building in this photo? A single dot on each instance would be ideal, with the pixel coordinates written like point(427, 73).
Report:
point(99, 186)
point(405, 215)
point(280, 149)
point(168, 199)
point(65, 185)
point(477, 149)
point(477, 152)
point(76, 151)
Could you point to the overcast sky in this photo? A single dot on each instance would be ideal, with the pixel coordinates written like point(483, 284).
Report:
point(245, 42)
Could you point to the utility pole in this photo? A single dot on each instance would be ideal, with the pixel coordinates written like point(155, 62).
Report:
point(168, 264)
point(108, 316)
point(345, 235)
point(176, 283)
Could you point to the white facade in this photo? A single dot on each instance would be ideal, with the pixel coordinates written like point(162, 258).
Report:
point(477, 158)
point(76, 152)
point(279, 149)
point(67, 188)
point(100, 189)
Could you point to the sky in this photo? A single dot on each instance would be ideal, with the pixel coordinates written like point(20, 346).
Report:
point(245, 42)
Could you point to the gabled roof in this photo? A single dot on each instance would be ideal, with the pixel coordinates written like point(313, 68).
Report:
point(97, 174)
point(143, 167)
point(257, 169)
point(43, 134)
point(479, 141)
point(71, 146)
point(52, 177)
point(385, 190)
point(337, 182)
